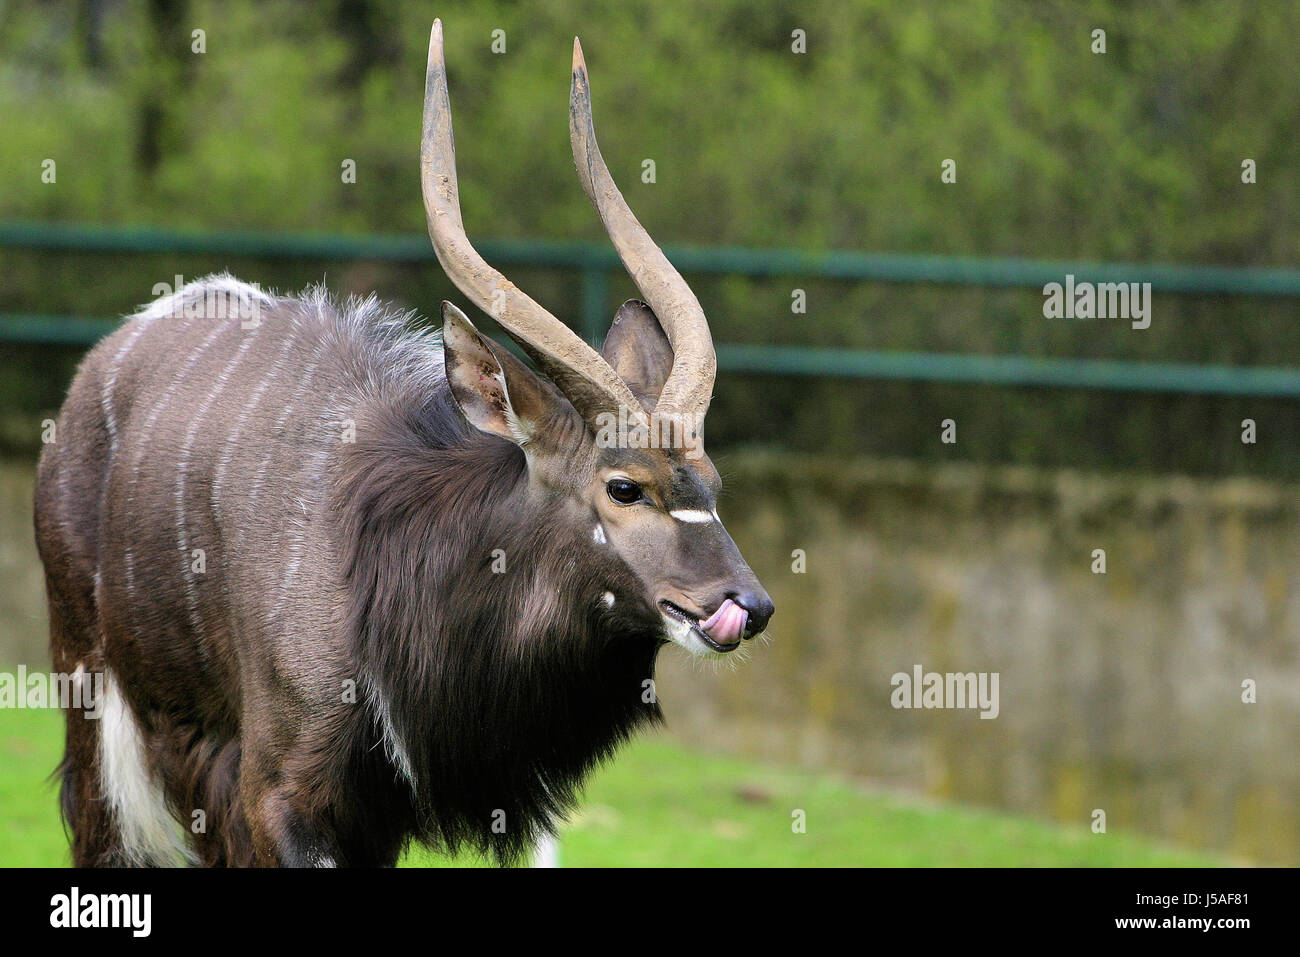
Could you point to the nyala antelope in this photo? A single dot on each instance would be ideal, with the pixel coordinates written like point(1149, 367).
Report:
point(351, 585)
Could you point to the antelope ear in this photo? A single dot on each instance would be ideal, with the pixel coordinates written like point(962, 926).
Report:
point(639, 352)
point(496, 392)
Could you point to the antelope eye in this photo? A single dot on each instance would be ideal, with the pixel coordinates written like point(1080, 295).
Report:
point(624, 492)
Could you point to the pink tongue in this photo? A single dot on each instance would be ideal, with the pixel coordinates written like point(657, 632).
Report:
point(727, 624)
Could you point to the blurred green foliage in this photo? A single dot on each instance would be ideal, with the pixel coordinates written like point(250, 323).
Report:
point(1062, 153)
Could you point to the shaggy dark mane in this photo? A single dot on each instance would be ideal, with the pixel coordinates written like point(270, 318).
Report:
point(489, 696)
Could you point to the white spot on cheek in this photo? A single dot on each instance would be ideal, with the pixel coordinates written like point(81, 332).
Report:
point(598, 536)
point(608, 599)
point(693, 515)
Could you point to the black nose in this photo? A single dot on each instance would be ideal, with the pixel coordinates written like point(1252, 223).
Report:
point(760, 609)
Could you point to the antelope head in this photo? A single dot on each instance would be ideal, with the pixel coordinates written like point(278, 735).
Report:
point(612, 439)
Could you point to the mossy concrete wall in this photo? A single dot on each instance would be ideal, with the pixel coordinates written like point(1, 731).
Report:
point(1119, 691)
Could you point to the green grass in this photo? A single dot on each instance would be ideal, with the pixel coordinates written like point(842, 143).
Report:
point(660, 805)
point(31, 835)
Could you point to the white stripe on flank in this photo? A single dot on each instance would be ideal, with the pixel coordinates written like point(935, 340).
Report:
point(128, 560)
point(110, 424)
point(177, 379)
point(182, 470)
point(309, 479)
point(694, 515)
point(147, 428)
point(232, 441)
point(220, 290)
point(110, 385)
point(255, 489)
point(147, 831)
point(146, 431)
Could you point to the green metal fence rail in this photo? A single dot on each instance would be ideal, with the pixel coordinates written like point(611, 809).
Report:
point(595, 261)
